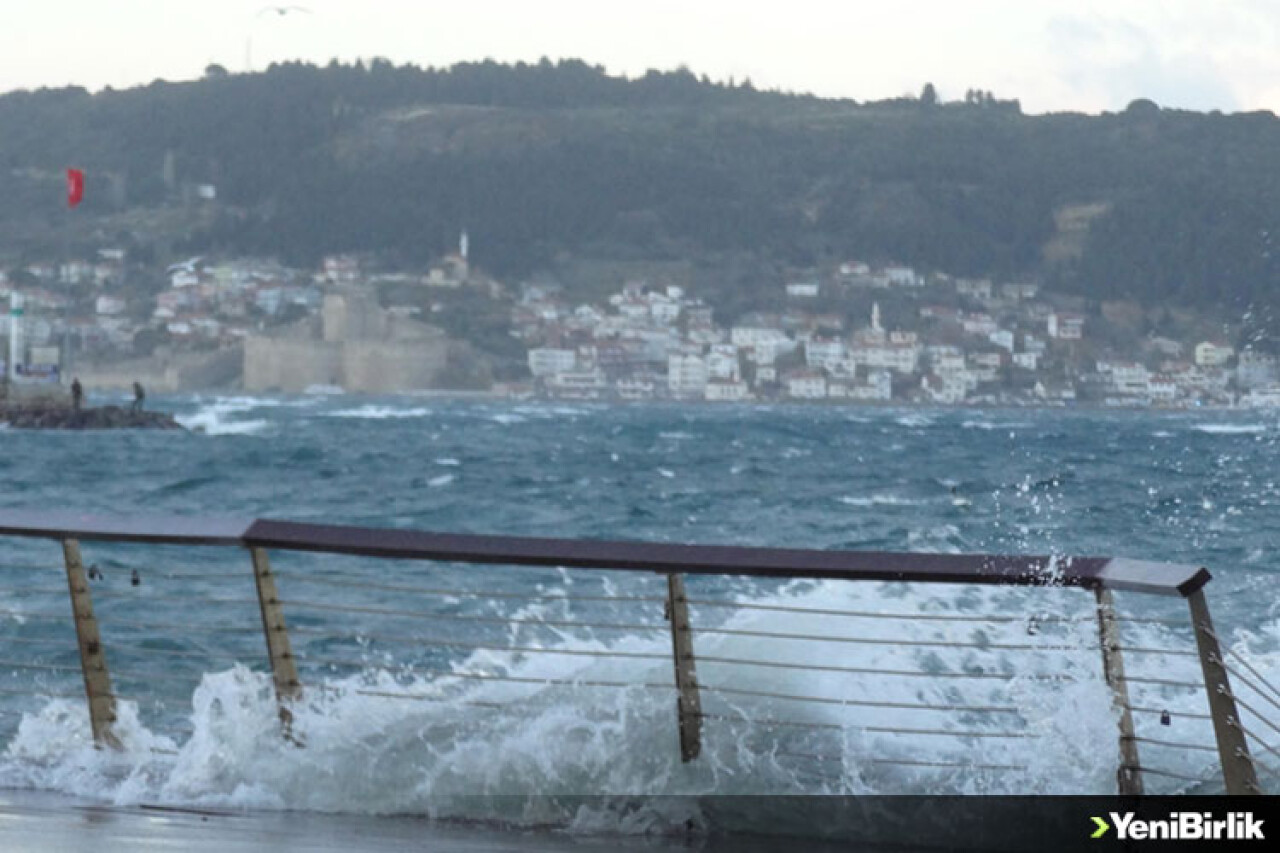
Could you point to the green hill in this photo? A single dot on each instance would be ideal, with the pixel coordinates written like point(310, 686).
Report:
point(537, 160)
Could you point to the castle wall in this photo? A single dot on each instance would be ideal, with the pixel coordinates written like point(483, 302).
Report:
point(290, 366)
point(387, 367)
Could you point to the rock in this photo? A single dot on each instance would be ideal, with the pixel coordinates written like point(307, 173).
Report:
point(103, 417)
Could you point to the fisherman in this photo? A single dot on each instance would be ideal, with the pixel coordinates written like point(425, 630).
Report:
point(138, 396)
point(77, 393)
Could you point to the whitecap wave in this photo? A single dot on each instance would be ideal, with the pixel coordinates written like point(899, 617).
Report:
point(539, 726)
point(219, 417)
point(1230, 429)
point(879, 500)
point(375, 412)
point(994, 425)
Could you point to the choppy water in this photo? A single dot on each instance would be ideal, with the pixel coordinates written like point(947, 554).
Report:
point(1187, 487)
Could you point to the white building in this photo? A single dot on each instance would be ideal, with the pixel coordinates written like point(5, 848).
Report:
point(1255, 370)
point(726, 391)
point(663, 309)
point(687, 375)
point(722, 362)
point(807, 385)
point(109, 305)
point(548, 361)
point(1130, 379)
point(902, 277)
point(1019, 290)
point(1211, 354)
point(578, 385)
point(824, 353)
point(756, 336)
point(947, 390)
point(802, 289)
point(877, 388)
point(1065, 327)
point(976, 289)
point(979, 324)
point(1002, 338)
point(1027, 360)
point(636, 389)
point(1162, 389)
point(897, 357)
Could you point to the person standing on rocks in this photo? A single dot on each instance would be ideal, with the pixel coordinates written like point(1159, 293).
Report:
point(77, 393)
point(138, 396)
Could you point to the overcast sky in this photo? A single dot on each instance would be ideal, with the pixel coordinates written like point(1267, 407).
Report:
point(1052, 54)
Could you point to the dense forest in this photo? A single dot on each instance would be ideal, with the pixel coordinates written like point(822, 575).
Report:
point(541, 160)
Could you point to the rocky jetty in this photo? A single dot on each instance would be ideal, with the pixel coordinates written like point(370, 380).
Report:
point(65, 417)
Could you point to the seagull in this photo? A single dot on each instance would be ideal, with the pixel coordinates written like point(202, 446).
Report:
point(283, 10)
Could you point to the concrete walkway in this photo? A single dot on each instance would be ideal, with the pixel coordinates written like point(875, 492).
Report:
point(34, 822)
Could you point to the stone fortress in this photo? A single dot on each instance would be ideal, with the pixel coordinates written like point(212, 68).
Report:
point(353, 344)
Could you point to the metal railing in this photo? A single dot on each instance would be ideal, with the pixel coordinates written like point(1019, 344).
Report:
point(811, 682)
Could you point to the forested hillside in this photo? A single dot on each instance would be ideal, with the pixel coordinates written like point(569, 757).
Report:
point(551, 158)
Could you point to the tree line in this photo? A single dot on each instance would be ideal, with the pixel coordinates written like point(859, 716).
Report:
point(540, 159)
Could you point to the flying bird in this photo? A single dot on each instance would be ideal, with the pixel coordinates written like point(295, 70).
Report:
point(283, 10)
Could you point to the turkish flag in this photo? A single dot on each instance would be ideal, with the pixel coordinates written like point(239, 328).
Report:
point(75, 187)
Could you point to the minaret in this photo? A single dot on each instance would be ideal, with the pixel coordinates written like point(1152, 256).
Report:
point(463, 244)
point(875, 317)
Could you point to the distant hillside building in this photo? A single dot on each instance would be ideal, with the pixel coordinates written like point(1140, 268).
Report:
point(353, 344)
point(1213, 354)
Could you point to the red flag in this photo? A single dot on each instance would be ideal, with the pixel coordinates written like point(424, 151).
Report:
point(75, 187)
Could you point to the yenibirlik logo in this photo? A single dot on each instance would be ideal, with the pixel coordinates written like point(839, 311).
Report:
point(1183, 826)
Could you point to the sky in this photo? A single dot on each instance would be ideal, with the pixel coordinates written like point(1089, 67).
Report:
point(1053, 55)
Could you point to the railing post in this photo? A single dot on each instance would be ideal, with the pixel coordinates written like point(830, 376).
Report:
point(93, 660)
point(1128, 775)
point(284, 671)
point(688, 703)
point(1238, 771)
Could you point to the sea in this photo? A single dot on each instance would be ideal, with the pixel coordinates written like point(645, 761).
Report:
point(530, 697)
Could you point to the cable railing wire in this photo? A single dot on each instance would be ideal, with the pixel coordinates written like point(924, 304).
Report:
point(1199, 780)
point(868, 703)
point(1262, 717)
point(888, 641)
point(493, 647)
point(458, 617)
point(872, 729)
point(41, 694)
point(1232, 652)
point(538, 680)
point(1162, 682)
point(1141, 650)
point(52, 667)
point(1262, 743)
point(904, 762)
point(1200, 747)
point(466, 593)
point(1161, 712)
point(855, 670)
point(216, 631)
point(147, 597)
point(870, 614)
point(21, 615)
point(1247, 683)
point(51, 645)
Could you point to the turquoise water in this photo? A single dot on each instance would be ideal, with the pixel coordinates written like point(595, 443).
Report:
point(1184, 487)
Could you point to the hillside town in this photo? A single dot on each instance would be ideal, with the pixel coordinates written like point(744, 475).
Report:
point(1011, 348)
point(825, 337)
